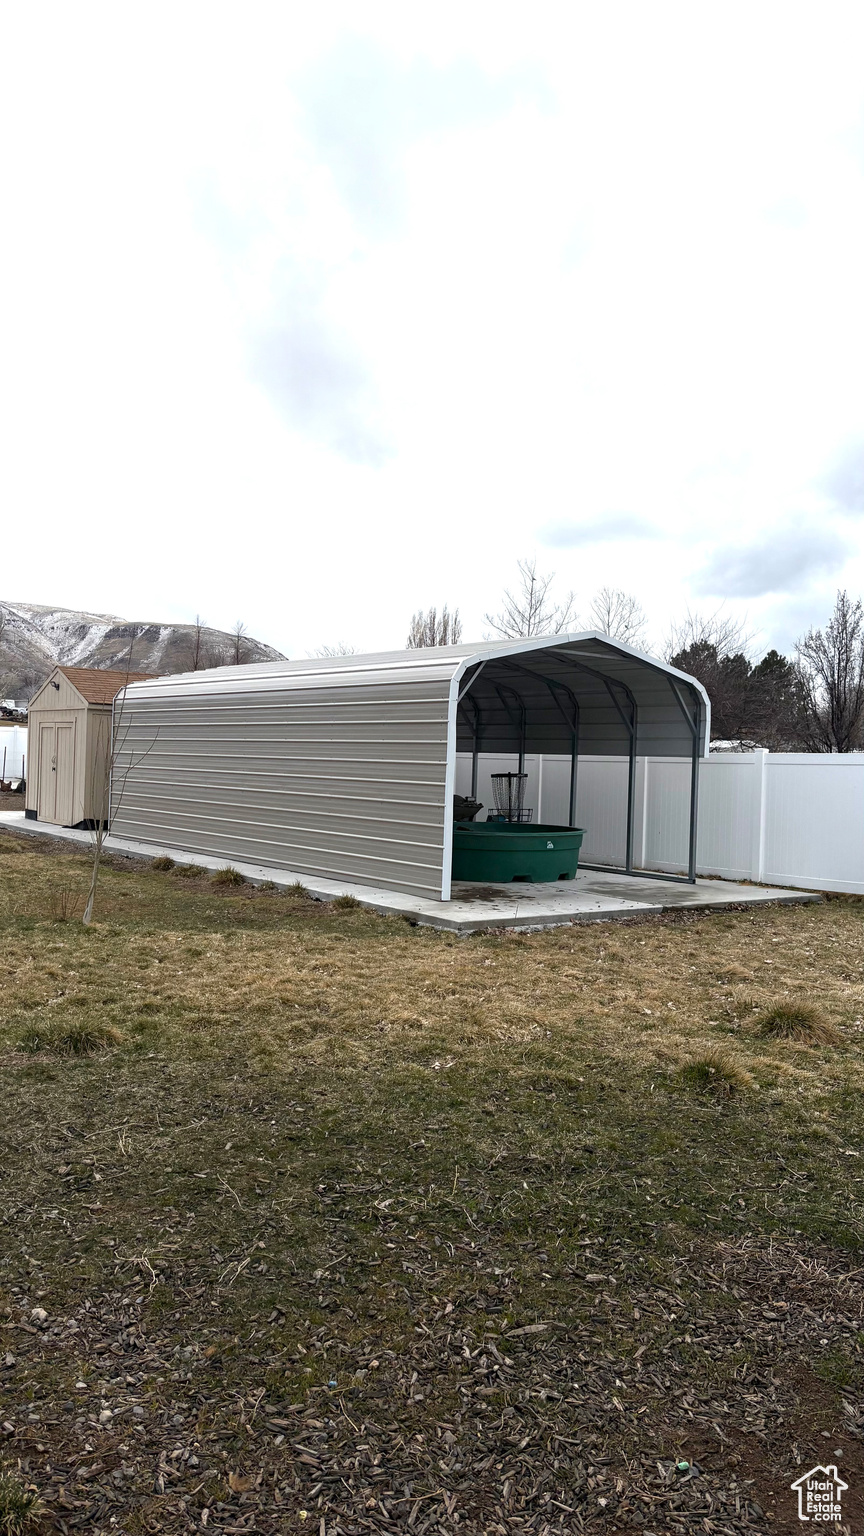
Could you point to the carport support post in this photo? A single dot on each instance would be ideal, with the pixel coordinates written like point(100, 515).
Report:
point(475, 735)
point(694, 801)
point(631, 797)
point(553, 687)
point(693, 722)
point(630, 728)
point(475, 747)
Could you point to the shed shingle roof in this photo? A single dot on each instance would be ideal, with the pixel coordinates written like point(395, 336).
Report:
point(100, 686)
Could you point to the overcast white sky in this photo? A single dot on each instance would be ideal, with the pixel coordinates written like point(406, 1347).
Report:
point(317, 314)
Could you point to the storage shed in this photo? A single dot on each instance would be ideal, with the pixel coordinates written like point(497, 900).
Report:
point(69, 730)
point(343, 768)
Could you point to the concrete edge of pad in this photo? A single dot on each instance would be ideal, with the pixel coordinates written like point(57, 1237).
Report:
point(615, 901)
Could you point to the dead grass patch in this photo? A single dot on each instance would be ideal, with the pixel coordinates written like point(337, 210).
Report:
point(802, 1023)
point(69, 1039)
point(742, 1003)
point(228, 876)
point(732, 972)
point(66, 901)
point(716, 1071)
point(164, 862)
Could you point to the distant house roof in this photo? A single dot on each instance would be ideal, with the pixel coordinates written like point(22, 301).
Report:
point(100, 686)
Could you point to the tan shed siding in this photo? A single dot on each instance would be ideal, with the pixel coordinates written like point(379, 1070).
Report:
point(31, 789)
point(31, 795)
point(94, 803)
point(332, 781)
point(52, 706)
point(51, 699)
point(54, 717)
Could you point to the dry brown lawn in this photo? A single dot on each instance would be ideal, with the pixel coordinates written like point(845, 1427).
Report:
point(649, 995)
point(344, 1224)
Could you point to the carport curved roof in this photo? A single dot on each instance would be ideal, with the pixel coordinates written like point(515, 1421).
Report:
point(511, 693)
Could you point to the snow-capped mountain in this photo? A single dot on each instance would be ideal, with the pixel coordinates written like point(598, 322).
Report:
point(35, 637)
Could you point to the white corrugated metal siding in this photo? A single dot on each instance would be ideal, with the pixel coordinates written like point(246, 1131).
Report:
point(335, 776)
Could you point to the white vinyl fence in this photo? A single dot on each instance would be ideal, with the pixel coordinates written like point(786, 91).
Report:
point(780, 818)
point(13, 751)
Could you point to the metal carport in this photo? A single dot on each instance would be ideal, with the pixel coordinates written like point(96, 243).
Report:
point(344, 767)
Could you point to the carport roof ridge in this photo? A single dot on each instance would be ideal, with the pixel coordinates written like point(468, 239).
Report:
point(440, 661)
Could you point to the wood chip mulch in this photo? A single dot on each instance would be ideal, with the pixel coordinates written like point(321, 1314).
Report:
point(551, 1426)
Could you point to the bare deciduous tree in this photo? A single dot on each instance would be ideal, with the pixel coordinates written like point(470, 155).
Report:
point(339, 649)
point(108, 781)
point(530, 611)
point(714, 649)
point(434, 628)
point(24, 683)
point(6, 678)
point(104, 762)
point(198, 657)
point(718, 629)
point(618, 614)
point(830, 671)
point(751, 706)
point(238, 643)
point(10, 682)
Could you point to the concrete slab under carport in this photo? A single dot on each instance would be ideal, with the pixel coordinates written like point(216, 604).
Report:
point(594, 895)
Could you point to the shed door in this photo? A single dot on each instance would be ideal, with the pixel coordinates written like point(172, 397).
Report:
point(47, 796)
point(56, 772)
point(64, 752)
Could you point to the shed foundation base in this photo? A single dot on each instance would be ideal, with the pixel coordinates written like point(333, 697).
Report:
point(594, 895)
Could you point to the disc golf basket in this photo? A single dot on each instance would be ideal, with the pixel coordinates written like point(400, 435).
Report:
point(508, 790)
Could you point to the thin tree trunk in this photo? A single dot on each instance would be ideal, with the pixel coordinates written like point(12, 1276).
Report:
point(94, 877)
